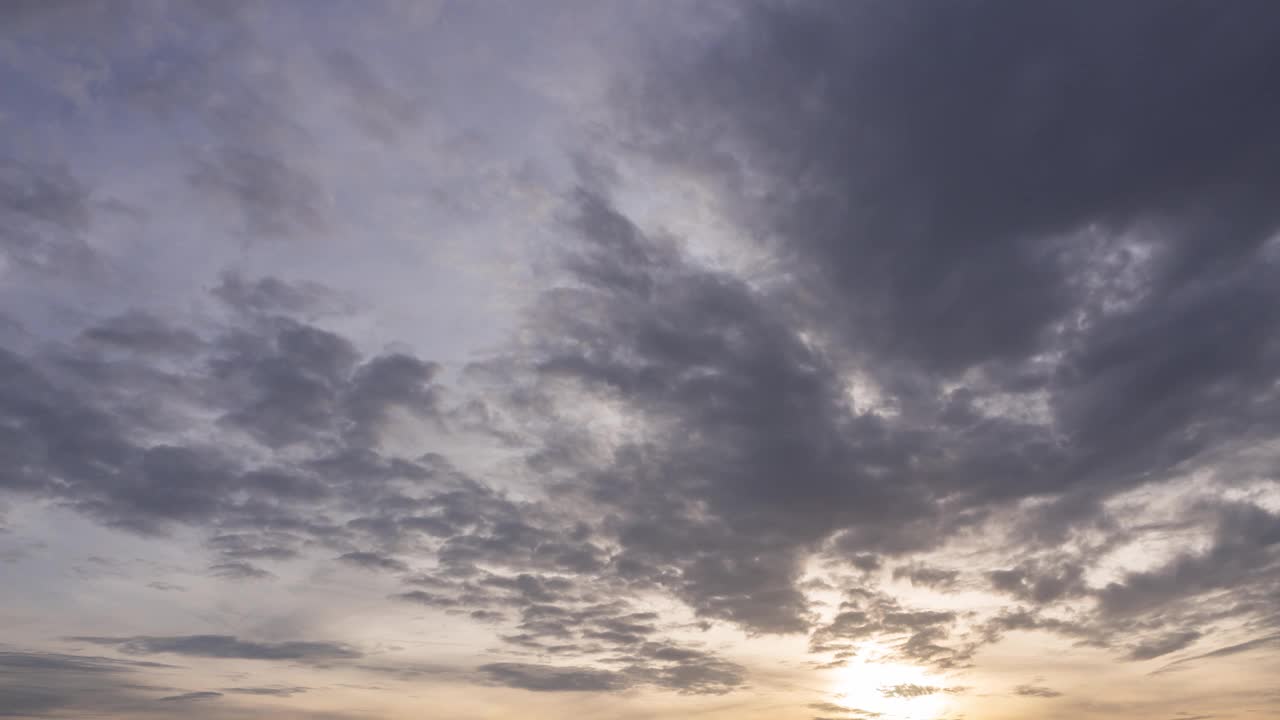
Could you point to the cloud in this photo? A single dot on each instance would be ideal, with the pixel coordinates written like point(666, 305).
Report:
point(1035, 691)
point(267, 691)
point(975, 286)
point(239, 571)
point(1246, 540)
point(684, 670)
point(550, 678)
point(926, 576)
point(113, 435)
point(226, 646)
point(165, 586)
point(137, 331)
point(291, 377)
point(270, 295)
point(959, 156)
point(274, 198)
point(1040, 585)
point(1163, 645)
point(847, 711)
point(17, 661)
point(733, 400)
point(915, 635)
point(40, 683)
point(188, 697)
point(269, 546)
point(1247, 646)
point(1023, 321)
point(44, 210)
point(910, 690)
point(921, 191)
point(373, 561)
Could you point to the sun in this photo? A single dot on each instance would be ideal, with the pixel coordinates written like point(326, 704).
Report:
point(895, 691)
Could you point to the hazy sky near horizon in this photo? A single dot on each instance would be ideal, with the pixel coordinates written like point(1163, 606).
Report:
point(907, 359)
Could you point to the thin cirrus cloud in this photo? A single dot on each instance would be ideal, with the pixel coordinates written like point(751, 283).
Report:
point(224, 646)
point(754, 360)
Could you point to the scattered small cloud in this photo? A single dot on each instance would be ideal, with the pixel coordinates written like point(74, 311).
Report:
point(1036, 691)
point(192, 696)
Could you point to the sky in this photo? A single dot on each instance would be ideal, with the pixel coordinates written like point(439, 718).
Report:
point(746, 360)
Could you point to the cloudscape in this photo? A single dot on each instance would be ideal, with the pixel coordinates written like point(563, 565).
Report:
point(724, 359)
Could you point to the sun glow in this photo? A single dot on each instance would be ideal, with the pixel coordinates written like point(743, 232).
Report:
point(890, 690)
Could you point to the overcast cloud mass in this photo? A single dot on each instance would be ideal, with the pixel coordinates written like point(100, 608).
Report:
point(785, 359)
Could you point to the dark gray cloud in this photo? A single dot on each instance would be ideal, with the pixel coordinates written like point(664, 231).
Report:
point(290, 381)
point(385, 382)
point(1022, 618)
point(926, 576)
point(272, 296)
point(267, 691)
point(265, 546)
point(226, 646)
point(925, 182)
point(685, 671)
point(239, 571)
point(106, 426)
point(1031, 279)
point(927, 175)
point(15, 661)
point(191, 696)
point(44, 212)
point(1247, 646)
point(38, 684)
point(1040, 584)
point(550, 678)
point(734, 400)
point(373, 561)
point(1245, 546)
point(1163, 645)
point(142, 332)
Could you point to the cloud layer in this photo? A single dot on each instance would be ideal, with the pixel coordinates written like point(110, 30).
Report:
point(757, 358)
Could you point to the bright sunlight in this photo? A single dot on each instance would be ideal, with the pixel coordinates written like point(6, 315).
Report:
point(892, 690)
